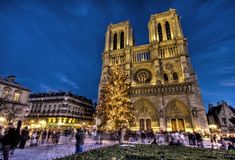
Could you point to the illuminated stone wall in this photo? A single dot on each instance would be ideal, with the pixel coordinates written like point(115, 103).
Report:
point(160, 73)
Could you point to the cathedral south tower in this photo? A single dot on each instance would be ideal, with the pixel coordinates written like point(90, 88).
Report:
point(164, 86)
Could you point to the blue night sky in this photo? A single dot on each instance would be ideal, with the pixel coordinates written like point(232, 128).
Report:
point(57, 45)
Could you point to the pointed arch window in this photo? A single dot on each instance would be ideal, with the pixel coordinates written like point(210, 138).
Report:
point(165, 77)
point(122, 40)
point(115, 41)
point(159, 28)
point(175, 76)
point(168, 30)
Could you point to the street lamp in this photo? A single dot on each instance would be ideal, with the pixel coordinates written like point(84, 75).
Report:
point(213, 128)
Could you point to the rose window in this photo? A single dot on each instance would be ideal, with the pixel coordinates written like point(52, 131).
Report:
point(143, 76)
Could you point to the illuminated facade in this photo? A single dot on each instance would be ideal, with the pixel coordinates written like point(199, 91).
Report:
point(13, 100)
point(223, 116)
point(60, 108)
point(164, 87)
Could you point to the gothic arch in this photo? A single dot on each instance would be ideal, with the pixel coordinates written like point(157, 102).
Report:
point(146, 111)
point(176, 108)
point(159, 28)
point(168, 30)
point(177, 116)
point(175, 76)
point(165, 77)
point(122, 40)
point(115, 41)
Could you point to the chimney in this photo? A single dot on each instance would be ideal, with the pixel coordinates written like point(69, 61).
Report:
point(210, 106)
point(11, 78)
point(224, 102)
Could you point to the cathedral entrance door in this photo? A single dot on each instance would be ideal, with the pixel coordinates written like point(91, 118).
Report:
point(148, 124)
point(173, 125)
point(146, 115)
point(178, 116)
point(177, 124)
point(142, 124)
point(145, 124)
point(181, 125)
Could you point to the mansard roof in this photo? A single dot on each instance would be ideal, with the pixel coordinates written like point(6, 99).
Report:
point(214, 110)
point(13, 83)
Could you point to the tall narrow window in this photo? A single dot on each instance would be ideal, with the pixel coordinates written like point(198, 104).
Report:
point(159, 27)
point(168, 30)
point(175, 76)
point(122, 40)
point(165, 77)
point(16, 96)
point(115, 41)
point(6, 92)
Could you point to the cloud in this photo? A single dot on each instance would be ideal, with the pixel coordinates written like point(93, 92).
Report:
point(226, 70)
point(66, 80)
point(45, 87)
point(228, 83)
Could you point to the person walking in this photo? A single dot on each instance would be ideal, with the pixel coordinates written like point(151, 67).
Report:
point(24, 137)
point(33, 139)
point(79, 140)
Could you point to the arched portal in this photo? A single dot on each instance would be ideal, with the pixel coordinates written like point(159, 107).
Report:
point(146, 115)
point(178, 116)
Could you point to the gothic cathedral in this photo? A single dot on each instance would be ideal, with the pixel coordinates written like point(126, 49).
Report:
point(164, 87)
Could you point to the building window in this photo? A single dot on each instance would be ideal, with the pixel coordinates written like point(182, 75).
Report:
point(165, 77)
point(5, 93)
point(16, 96)
point(115, 41)
point(175, 76)
point(224, 121)
point(159, 27)
point(168, 30)
point(122, 40)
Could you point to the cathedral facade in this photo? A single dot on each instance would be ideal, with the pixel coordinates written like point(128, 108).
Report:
point(164, 86)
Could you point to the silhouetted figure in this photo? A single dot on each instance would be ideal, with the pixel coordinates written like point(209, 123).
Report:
point(154, 142)
point(24, 137)
point(79, 140)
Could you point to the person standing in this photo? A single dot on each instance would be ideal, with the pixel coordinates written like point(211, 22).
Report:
point(33, 139)
point(79, 140)
point(44, 135)
point(199, 140)
point(24, 137)
point(8, 140)
point(1, 136)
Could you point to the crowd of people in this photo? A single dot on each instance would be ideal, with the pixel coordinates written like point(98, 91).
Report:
point(11, 138)
point(164, 138)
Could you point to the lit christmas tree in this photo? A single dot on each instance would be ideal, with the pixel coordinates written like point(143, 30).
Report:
point(115, 109)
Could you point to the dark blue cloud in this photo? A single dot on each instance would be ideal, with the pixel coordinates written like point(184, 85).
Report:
point(57, 44)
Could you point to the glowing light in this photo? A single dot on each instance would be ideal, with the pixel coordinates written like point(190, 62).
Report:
point(2, 119)
point(43, 123)
point(213, 126)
